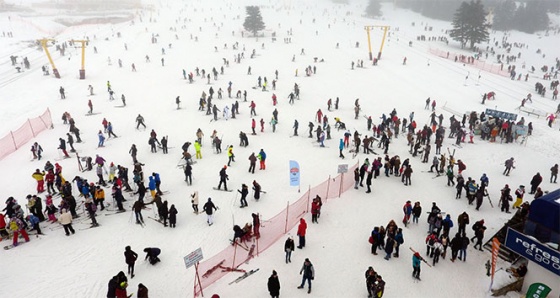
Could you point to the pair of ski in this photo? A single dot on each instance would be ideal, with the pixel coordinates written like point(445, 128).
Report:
point(417, 279)
point(421, 258)
point(166, 192)
point(91, 226)
point(245, 275)
point(152, 218)
point(116, 212)
point(488, 195)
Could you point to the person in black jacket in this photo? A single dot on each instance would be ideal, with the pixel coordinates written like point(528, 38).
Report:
point(117, 195)
point(209, 208)
point(62, 147)
point(252, 163)
point(112, 287)
point(188, 173)
point(257, 189)
point(535, 182)
point(371, 278)
point(137, 208)
point(172, 216)
point(152, 253)
point(356, 177)
point(142, 291)
point(130, 258)
point(256, 225)
point(223, 178)
point(121, 277)
point(244, 192)
point(308, 274)
point(288, 248)
point(70, 142)
point(274, 285)
point(163, 212)
point(456, 245)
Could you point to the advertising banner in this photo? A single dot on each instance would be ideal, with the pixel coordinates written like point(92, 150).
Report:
point(533, 250)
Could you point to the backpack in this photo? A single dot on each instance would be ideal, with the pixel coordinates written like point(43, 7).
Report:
point(14, 226)
point(431, 241)
point(476, 226)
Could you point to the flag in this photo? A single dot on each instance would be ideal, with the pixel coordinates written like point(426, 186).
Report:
point(538, 290)
point(495, 250)
point(294, 173)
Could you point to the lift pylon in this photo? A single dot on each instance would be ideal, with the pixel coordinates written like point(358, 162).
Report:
point(43, 43)
point(368, 29)
point(83, 69)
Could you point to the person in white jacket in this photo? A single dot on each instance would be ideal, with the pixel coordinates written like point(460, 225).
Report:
point(66, 220)
point(438, 249)
point(194, 201)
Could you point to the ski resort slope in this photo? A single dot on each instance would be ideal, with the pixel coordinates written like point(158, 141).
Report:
point(193, 34)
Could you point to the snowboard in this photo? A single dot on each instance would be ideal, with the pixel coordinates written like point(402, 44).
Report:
point(91, 114)
point(12, 246)
point(229, 190)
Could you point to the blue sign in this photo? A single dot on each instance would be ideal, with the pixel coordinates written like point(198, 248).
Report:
point(294, 173)
point(500, 114)
point(533, 250)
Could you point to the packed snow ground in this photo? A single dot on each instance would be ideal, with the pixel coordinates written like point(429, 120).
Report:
point(81, 265)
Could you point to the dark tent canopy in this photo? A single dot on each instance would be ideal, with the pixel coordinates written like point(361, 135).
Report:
point(544, 218)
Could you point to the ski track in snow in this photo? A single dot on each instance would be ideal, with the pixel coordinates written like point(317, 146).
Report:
point(82, 264)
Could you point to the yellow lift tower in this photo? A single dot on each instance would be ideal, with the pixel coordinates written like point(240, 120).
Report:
point(43, 43)
point(368, 29)
point(82, 70)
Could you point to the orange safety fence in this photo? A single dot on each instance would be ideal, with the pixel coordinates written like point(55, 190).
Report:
point(271, 230)
point(19, 137)
point(480, 64)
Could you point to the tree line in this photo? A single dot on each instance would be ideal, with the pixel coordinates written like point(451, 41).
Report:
point(524, 15)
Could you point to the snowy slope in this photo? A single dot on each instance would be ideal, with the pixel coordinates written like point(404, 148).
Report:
point(81, 265)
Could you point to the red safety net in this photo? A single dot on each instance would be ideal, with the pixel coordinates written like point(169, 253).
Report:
point(19, 137)
point(480, 64)
point(271, 230)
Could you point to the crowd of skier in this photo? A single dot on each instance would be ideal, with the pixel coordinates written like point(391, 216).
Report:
point(91, 198)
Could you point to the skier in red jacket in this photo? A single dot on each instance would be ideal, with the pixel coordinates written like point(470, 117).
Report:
point(301, 233)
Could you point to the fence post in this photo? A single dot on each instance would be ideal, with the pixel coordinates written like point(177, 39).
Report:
point(340, 187)
point(308, 195)
point(31, 127)
point(287, 214)
point(13, 140)
point(41, 117)
point(328, 187)
point(234, 252)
